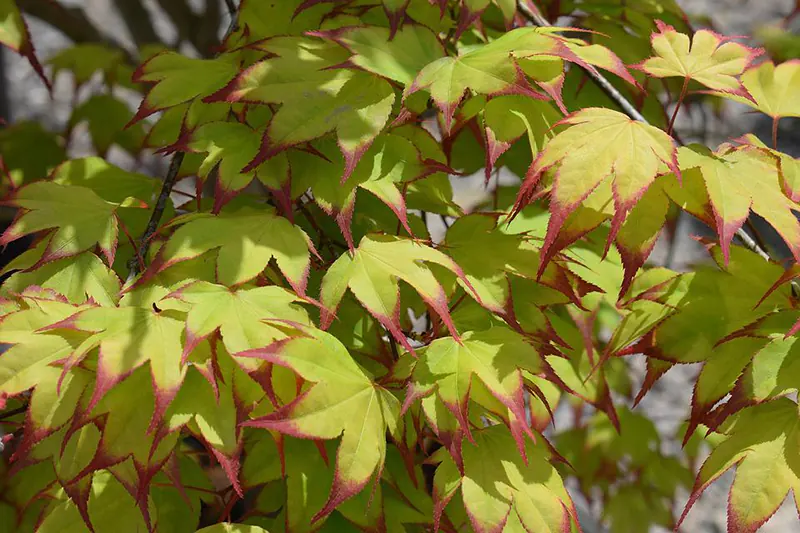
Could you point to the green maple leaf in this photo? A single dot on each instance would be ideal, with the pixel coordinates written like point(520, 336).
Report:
point(723, 187)
point(356, 106)
point(399, 58)
point(232, 528)
point(343, 401)
point(708, 58)
point(499, 490)
point(212, 402)
point(177, 79)
point(762, 442)
point(373, 273)
point(246, 241)
point(20, 164)
point(246, 318)
point(507, 118)
point(128, 338)
point(723, 301)
point(85, 59)
point(391, 164)
point(109, 182)
point(230, 146)
point(495, 69)
point(32, 352)
point(14, 34)
point(486, 277)
point(770, 87)
point(772, 356)
point(79, 220)
point(80, 278)
point(602, 149)
point(495, 357)
point(315, 100)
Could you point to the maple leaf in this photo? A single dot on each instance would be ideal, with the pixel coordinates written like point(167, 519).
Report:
point(15, 35)
point(770, 87)
point(106, 117)
point(246, 241)
point(177, 79)
point(495, 357)
point(601, 148)
point(399, 58)
point(212, 402)
point(762, 442)
point(127, 338)
point(391, 164)
point(373, 272)
point(709, 58)
point(723, 187)
point(355, 105)
point(494, 69)
point(486, 277)
point(499, 490)
point(536, 119)
point(246, 318)
point(49, 206)
point(226, 527)
point(343, 401)
point(230, 146)
point(80, 278)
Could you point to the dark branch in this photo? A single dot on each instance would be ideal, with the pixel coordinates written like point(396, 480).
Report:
point(158, 212)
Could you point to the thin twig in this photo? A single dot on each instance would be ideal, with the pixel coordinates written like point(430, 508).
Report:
point(158, 212)
point(632, 112)
point(13, 412)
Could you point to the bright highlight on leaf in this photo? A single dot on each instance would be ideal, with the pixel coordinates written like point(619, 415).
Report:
point(762, 442)
point(708, 58)
point(343, 401)
point(601, 149)
point(245, 242)
point(373, 272)
point(495, 357)
point(49, 206)
point(499, 491)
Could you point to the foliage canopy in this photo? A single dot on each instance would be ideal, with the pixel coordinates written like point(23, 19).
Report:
point(308, 327)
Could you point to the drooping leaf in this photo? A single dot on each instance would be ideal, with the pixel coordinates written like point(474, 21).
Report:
point(494, 69)
point(343, 401)
point(605, 150)
point(83, 60)
point(723, 187)
point(14, 34)
point(49, 206)
point(762, 442)
point(398, 59)
point(708, 58)
point(106, 117)
point(230, 146)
